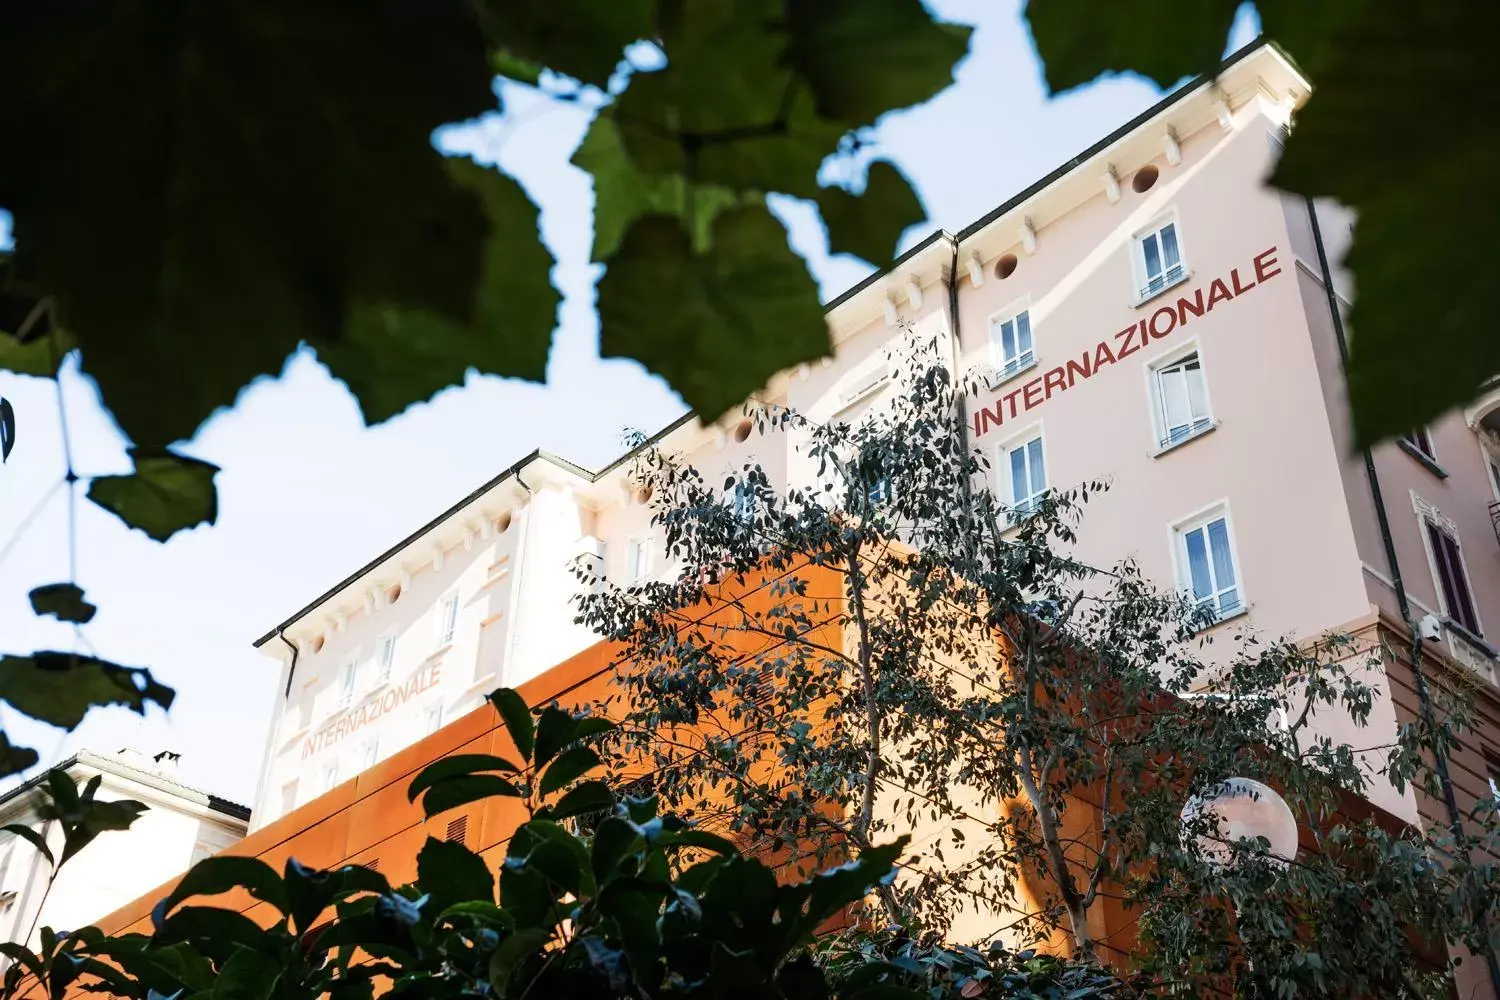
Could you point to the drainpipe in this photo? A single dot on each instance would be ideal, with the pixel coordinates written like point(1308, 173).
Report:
point(292, 669)
point(1424, 698)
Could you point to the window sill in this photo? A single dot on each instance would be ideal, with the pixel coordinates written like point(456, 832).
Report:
point(1152, 296)
point(1425, 461)
point(294, 737)
point(1239, 612)
point(1173, 446)
point(1000, 376)
point(437, 654)
point(484, 681)
point(1477, 642)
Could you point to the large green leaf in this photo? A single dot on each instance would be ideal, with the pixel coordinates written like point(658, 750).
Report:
point(166, 493)
point(248, 975)
point(581, 38)
point(63, 601)
point(59, 688)
point(517, 718)
point(14, 759)
point(745, 307)
point(451, 873)
point(570, 764)
point(391, 357)
point(869, 224)
point(1079, 40)
point(622, 193)
point(863, 58)
point(270, 169)
point(212, 876)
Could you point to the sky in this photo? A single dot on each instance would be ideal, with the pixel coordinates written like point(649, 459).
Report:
point(307, 493)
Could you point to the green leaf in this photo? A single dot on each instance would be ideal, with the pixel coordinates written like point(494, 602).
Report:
point(166, 493)
point(214, 931)
point(64, 601)
point(836, 888)
point(460, 791)
point(869, 225)
point(579, 38)
point(623, 194)
point(514, 950)
point(14, 759)
point(270, 173)
point(458, 766)
point(310, 891)
point(571, 764)
point(517, 718)
point(59, 688)
point(31, 358)
point(248, 975)
point(451, 873)
point(745, 309)
point(392, 357)
point(215, 875)
point(1165, 41)
point(33, 837)
point(588, 797)
point(863, 58)
point(555, 729)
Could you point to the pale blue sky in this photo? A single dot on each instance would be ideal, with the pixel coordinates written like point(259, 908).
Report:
point(307, 493)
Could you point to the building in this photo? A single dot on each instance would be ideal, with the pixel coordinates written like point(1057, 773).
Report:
point(181, 826)
point(1148, 312)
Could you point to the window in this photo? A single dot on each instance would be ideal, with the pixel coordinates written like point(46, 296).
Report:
point(1492, 772)
point(1027, 469)
point(744, 502)
point(637, 560)
point(1453, 579)
point(1181, 400)
point(369, 752)
point(1206, 565)
point(346, 683)
point(1010, 344)
point(433, 720)
point(878, 493)
point(201, 850)
point(330, 774)
point(385, 657)
point(1420, 441)
point(1160, 259)
point(1493, 464)
point(289, 796)
point(447, 620)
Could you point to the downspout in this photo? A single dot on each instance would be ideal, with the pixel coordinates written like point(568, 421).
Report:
point(292, 669)
point(1424, 697)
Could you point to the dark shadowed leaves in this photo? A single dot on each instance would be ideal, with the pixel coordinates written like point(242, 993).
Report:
point(451, 873)
point(581, 38)
point(7, 428)
point(744, 307)
point(59, 688)
point(863, 58)
point(166, 493)
point(212, 876)
point(868, 225)
point(1164, 41)
point(63, 601)
point(517, 718)
point(14, 759)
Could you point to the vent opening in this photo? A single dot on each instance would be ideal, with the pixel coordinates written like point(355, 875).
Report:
point(1006, 266)
point(458, 831)
point(1144, 178)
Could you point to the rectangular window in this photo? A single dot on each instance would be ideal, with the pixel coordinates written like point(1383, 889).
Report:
point(637, 560)
point(330, 774)
point(1160, 259)
point(346, 683)
point(1420, 441)
point(1027, 469)
point(369, 752)
point(289, 796)
point(1010, 344)
point(1207, 565)
point(385, 658)
point(878, 494)
point(1453, 580)
point(433, 719)
point(447, 620)
point(1181, 400)
point(744, 502)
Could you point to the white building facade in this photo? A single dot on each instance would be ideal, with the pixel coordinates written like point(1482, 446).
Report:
point(181, 826)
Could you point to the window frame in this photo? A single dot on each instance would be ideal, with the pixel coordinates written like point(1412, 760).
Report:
point(635, 575)
point(1182, 573)
point(385, 657)
point(1018, 511)
point(1144, 292)
point(348, 681)
point(447, 620)
point(1430, 526)
point(1161, 442)
point(1004, 370)
point(432, 713)
point(1419, 444)
point(330, 775)
point(369, 751)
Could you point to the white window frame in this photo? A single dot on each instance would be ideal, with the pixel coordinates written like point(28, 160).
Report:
point(1143, 289)
point(1437, 581)
point(1177, 533)
point(348, 681)
point(432, 718)
point(1491, 469)
point(447, 619)
point(743, 501)
point(870, 381)
point(330, 776)
point(1153, 369)
point(1022, 439)
point(289, 790)
point(1007, 370)
point(385, 657)
point(638, 559)
point(369, 752)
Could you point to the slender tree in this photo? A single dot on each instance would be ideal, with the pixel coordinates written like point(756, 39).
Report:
point(884, 646)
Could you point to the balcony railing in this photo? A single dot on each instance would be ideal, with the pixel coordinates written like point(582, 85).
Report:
point(1495, 518)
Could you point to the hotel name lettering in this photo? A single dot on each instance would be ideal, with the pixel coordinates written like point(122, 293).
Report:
point(356, 719)
point(1160, 323)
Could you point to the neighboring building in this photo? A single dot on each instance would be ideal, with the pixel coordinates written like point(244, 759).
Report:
point(181, 826)
point(1149, 313)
